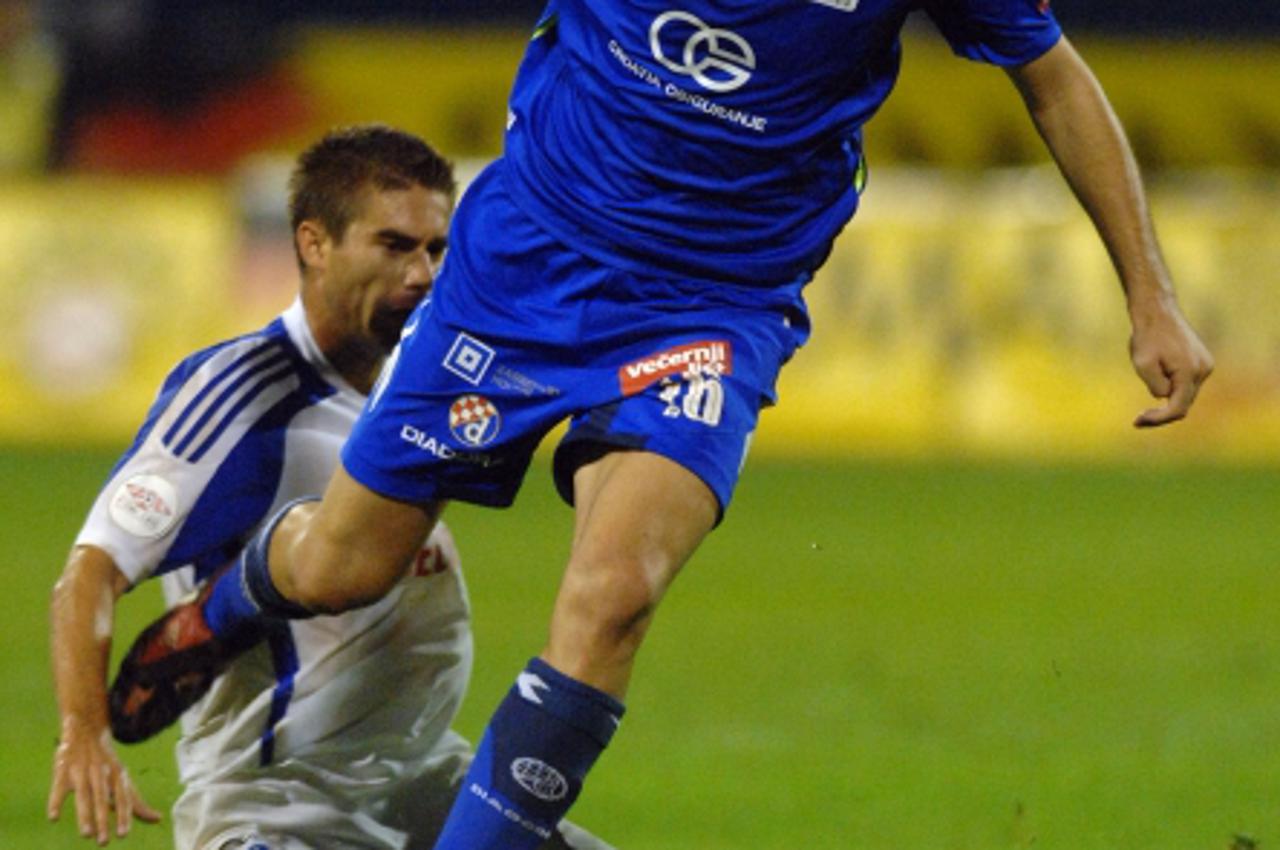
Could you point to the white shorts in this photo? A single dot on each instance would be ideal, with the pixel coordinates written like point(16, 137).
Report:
point(297, 806)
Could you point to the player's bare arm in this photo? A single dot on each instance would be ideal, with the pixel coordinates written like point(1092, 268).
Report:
point(85, 764)
point(1086, 140)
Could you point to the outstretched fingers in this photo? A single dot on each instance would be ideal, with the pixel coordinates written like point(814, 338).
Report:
point(138, 807)
point(100, 781)
point(57, 795)
point(99, 785)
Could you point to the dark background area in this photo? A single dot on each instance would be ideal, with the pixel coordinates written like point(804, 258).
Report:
point(1182, 18)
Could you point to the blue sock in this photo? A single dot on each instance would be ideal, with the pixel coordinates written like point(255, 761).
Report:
point(244, 599)
point(529, 768)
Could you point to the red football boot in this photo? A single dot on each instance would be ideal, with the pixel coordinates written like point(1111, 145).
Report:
point(169, 667)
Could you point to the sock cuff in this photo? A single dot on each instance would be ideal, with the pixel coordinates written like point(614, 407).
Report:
point(583, 707)
point(257, 574)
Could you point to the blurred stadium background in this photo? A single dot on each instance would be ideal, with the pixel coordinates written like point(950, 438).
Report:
point(960, 603)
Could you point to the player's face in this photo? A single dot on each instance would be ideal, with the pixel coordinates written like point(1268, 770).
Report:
point(387, 260)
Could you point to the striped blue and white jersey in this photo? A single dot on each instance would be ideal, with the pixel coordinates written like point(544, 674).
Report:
point(720, 139)
point(238, 430)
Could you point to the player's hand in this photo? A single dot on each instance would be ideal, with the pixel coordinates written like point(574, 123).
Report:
point(1170, 359)
point(85, 765)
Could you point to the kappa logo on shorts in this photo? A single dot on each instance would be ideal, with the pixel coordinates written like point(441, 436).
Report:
point(469, 359)
point(474, 420)
point(710, 357)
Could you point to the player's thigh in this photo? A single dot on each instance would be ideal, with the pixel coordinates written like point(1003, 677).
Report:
point(645, 493)
point(640, 510)
point(683, 437)
point(651, 474)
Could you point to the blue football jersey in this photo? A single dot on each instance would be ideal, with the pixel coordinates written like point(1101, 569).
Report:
point(720, 138)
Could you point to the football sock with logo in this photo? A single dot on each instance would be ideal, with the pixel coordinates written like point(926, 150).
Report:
point(529, 768)
point(244, 598)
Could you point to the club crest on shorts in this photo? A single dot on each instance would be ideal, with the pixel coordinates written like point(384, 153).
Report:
point(474, 420)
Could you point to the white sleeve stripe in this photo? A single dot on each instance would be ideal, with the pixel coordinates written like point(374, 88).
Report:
point(284, 379)
point(204, 401)
point(227, 403)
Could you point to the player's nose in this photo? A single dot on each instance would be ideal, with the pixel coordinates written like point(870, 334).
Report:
point(421, 271)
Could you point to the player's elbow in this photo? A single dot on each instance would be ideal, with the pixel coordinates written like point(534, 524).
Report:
point(89, 574)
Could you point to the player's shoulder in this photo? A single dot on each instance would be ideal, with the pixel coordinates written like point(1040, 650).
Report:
point(242, 354)
point(233, 381)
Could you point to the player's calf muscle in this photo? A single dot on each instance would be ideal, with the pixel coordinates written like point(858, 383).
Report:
point(338, 580)
point(327, 573)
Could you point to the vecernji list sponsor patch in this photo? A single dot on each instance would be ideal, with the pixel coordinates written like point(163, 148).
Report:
point(710, 357)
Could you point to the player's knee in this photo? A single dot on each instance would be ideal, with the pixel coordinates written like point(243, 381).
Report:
point(610, 604)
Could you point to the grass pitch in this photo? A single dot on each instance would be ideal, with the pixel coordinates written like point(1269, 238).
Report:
point(865, 655)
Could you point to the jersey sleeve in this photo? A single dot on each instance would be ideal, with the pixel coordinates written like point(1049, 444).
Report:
point(200, 474)
point(1000, 32)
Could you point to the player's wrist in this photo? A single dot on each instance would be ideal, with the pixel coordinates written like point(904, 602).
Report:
point(84, 725)
point(1150, 302)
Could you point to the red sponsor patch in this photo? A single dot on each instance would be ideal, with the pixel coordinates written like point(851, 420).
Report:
point(714, 357)
point(1043, 7)
point(146, 506)
point(430, 561)
point(147, 500)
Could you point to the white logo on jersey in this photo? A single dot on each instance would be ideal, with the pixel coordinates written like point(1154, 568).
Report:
point(539, 779)
point(528, 684)
point(469, 358)
point(718, 59)
point(145, 506)
point(841, 5)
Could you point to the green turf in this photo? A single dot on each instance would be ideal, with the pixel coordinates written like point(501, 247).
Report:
point(866, 655)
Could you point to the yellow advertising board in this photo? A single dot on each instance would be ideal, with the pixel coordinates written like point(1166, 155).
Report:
point(959, 313)
point(103, 286)
point(1186, 104)
point(978, 313)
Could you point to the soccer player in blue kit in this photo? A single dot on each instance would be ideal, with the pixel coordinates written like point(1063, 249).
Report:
point(675, 171)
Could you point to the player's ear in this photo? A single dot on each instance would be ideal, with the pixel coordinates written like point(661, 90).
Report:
point(312, 242)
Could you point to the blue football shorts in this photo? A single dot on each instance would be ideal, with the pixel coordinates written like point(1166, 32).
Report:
point(522, 332)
